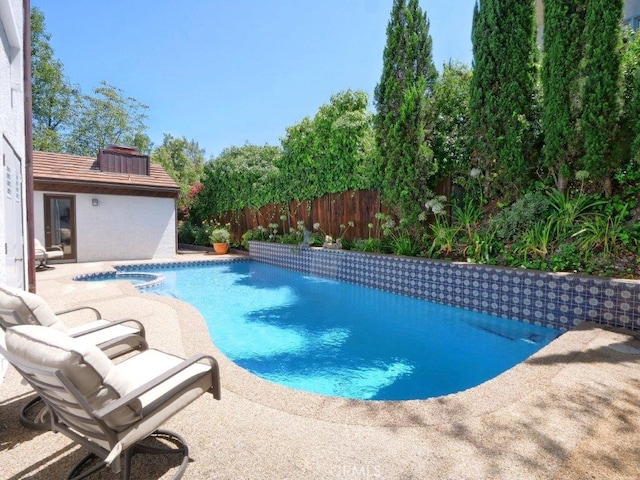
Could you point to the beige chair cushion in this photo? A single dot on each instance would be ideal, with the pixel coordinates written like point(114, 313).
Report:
point(84, 364)
point(29, 308)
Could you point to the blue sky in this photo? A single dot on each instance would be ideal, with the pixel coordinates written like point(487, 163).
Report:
point(228, 72)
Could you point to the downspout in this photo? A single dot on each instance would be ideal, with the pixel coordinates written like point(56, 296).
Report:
point(28, 134)
point(175, 209)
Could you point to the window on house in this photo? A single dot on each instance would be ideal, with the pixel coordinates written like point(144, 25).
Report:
point(636, 22)
point(12, 40)
point(8, 180)
point(17, 185)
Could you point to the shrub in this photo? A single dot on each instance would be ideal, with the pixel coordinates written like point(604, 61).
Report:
point(367, 245)
point(519, 217)
point(185, 233)
point(193, 234)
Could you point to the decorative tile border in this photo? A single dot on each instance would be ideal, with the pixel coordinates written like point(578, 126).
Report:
point(138, 270)
point(174, 264)
point(557, 300)
point(150, 279)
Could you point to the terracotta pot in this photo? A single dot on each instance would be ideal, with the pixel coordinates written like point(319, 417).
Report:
point(221, 248)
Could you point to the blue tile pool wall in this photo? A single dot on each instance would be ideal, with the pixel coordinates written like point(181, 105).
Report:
point(555, 300)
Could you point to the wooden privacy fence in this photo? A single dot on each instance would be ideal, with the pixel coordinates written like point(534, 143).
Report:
point(330, 211)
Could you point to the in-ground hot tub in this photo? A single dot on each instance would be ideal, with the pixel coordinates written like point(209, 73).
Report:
point(140, 280)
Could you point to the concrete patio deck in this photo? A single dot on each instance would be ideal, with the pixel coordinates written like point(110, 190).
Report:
point(572, 411)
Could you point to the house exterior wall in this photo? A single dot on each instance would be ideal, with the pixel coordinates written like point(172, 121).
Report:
point(631, 16)
point(121, 227)
point(12, 140)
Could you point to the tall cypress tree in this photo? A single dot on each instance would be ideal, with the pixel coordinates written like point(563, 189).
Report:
point(631, 96)
point(407, 78)
point(601, 101)
point(503, 91)
point(481, 97)
point(630, 100)
point(561, 75)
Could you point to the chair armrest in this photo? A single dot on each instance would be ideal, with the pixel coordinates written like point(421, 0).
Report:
point(55, 247)
point(69, 310)
point(134, 395)
point(136, 341)
point(111, 323)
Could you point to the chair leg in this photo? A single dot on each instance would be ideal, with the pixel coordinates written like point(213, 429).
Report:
point(77, 472)
point(181, 448)
point(35, 415)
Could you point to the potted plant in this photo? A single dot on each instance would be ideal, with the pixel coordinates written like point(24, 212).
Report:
point(219, 238)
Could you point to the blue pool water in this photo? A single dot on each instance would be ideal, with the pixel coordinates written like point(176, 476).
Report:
point(340, 339)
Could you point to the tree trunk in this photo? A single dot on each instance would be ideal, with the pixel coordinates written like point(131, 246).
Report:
point(561, 183)
point(608, 186)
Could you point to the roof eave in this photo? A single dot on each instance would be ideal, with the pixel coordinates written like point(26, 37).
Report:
point(115, 188)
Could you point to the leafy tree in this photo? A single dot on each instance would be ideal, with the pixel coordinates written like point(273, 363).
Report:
point(182, 159)
point(239, 177)
point(561, 79)
point(408, 77)
point(449, 121)
point(52, 94)
point(503, 92)
point(330, 153)
point(108, 117)
point(601, 111)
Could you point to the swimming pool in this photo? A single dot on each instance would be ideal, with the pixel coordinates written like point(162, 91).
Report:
point(346, 340)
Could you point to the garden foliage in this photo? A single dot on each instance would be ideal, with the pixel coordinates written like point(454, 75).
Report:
point(544, 158)
point(332, 152)
point(184, 160)
point(240, 177)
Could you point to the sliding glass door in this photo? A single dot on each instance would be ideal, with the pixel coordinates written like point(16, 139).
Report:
point(60, 223)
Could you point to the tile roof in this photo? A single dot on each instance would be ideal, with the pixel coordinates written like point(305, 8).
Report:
point(61, 169)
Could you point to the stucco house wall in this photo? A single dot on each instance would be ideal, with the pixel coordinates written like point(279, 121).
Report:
point(12, 138)
point(12, 142)
point(120, 227)
point(631, 9)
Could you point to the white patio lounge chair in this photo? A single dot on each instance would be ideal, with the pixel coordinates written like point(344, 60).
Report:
point(18, 307)
point(43, 255)
point(109, 408)
point(115, 338)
